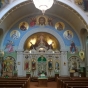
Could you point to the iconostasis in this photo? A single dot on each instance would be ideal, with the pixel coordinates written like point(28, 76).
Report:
point(42, 35)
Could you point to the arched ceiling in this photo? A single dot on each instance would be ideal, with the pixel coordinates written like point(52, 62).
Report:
point(59, 9)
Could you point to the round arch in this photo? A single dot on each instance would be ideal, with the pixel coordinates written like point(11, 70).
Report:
point(70, 4)
point(41, 29)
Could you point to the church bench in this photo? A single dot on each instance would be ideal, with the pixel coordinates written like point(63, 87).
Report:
point(79, 78)
point(59, 81)
point(76, 84)
point(27, 80)
point(25, 85)
point(12, 85)
point(71, 81)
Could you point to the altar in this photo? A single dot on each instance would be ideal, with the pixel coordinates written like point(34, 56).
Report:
point(42, 81)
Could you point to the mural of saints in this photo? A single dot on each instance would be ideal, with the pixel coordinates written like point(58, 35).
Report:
point(68, 34)
point(9, 46)
point(73, 47)
point(23, 26)
point(15, 34)
point(59, 26)
point(32, 22)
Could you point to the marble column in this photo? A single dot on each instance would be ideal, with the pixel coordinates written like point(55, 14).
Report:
point(19, 62)
point(64, 64)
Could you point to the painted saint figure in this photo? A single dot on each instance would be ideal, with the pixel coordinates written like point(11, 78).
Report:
point(42, 21)
point(9, 46)
point(33, 65)
point(50, 22)
point(23, 26)
point(50, 64)
point(56, 65)
point(74, 65)
point(73, 47)
point(15, 34)
point(26, 65)
point(33, 22)
point(69, 35)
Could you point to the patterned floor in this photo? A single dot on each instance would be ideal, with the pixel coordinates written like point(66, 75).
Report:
point(50, 85)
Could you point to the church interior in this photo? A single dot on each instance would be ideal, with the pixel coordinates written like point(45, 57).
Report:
point(43, 46)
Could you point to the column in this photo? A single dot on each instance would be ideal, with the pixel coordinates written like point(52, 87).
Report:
point(64, 64)
point(20, 65)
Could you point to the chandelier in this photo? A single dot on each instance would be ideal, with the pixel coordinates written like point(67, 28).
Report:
point(43, 5)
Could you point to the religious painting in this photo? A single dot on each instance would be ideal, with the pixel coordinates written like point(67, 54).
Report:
point(9, 46)
point(50, 22)
point(15, 34)
point(73, 48)
point(59, 26)
point(57, 65)
point(33, 64)
point(82, 55)
point(50, 64)
point(32, 22)
point(26, 65)
point(74, 63)
point(42, 20)
point(68, 34)
point(23, 26)
point(8, 64)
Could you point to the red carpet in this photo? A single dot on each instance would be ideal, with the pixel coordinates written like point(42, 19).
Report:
point(50, 85)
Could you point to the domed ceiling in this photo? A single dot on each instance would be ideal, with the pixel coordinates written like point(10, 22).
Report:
point(59, 9)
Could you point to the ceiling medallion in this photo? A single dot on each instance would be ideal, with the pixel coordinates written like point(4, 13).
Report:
point(43, 5)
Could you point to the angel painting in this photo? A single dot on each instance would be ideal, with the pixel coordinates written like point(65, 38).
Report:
point(9, 46)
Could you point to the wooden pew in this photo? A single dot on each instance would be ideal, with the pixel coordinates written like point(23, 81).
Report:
point(12, 85)
point(12, 81)
point(71, 81)
point(71, 85)
point(59, 81)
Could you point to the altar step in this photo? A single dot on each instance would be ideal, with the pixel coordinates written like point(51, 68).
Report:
point(35, 79)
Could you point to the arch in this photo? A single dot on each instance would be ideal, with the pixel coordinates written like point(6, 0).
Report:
point(41, 29)
point(70, 4)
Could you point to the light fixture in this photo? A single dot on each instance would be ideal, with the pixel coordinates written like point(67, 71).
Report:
point(43, 5)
